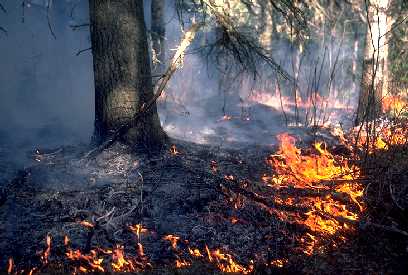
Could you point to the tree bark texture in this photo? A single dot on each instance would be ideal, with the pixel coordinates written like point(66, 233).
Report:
point(122, 71)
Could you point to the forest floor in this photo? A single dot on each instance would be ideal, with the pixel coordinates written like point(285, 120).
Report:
point(201, 208)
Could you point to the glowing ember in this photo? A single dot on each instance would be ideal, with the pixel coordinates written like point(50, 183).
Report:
point(279, 262)
point(225, 118)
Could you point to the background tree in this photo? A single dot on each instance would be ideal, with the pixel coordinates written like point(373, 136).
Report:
point(158, 33)
point(374, 83)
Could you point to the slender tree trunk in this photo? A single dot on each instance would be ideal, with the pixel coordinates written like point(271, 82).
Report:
point(158, 34)
point(375, 69)
point(122, 71)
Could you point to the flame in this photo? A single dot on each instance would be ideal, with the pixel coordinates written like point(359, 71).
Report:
point(66, 240)
point(279, 262)
point(173, 150)
point(225, 118)
point(195, 252)
point(86, 224)
point(300, 170)
point(180, 263)
point(386, 134)
point(46, 253)
point(10, 266)
point(172, 239)
point(318, 170)
point(138, 229)
point(119, 262)
point(395, 104)
point(92, 259)
point(214, 166)
point(226, 263)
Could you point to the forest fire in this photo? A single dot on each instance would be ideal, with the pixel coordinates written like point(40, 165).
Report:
point(323, 174)
point(204, 137)
point(394, 104)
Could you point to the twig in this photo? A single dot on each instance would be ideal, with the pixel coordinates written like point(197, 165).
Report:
point(4, 30)
point(84, 50)
point(49, 21)
point(2, 8)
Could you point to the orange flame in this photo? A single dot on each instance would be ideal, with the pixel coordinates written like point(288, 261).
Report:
point(172, 239)
point(10, 266)
point(315, 171)
point(173, 150)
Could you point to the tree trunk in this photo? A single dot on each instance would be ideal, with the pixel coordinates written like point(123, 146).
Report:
point(375, 70)
point(122, 71)
point(158, 34)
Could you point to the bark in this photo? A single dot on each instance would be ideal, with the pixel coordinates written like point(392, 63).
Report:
point(375, 70)
point(158, 34)
point(122, 72)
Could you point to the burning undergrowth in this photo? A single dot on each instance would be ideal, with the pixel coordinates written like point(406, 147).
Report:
point(191, 208)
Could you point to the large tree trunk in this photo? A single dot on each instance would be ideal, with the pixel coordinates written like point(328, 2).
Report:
point(375, 69)
point(158, 34)
point(122, 71)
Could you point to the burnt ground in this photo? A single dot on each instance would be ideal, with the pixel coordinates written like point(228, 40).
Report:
point(185, 194)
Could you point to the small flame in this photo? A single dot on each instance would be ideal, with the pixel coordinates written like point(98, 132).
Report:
point(10, 266)
point(87, 224)
point(180, 263)
point(119, 262)
point(195, 252)
point(214, 166)
point(173, 150)
point(138, 230)
point(46, 254)
point(172, 239)
point(279, 262)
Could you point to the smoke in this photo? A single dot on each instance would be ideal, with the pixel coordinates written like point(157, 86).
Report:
point(47, 95)
point(46, 89)
point(205, 105)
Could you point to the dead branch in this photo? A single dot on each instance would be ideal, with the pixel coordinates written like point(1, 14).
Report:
point(82, 51)
point(3, 30)
point(49, 21)
point(3, 8)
